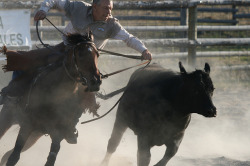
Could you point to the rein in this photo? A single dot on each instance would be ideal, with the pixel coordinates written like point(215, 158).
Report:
point(83, 80)
point(126, 56)
point(119, 71)
point(87, 121)
point(122, 55)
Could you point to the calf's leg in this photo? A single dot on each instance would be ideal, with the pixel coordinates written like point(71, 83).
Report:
point(119, 128)
point(143, 152)
point(171, 150)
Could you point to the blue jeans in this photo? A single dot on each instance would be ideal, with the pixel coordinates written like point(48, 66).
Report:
point(16, 74)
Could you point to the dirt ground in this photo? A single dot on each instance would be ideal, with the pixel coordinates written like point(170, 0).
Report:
point(220, 141)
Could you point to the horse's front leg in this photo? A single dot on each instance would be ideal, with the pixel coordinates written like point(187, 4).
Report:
point(54, 149)
point(22, 137)
point(34, 136)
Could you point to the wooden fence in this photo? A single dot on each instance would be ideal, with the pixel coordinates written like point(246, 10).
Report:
point(188, 24)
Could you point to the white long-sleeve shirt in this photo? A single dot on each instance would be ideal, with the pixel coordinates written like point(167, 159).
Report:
point(81, 21)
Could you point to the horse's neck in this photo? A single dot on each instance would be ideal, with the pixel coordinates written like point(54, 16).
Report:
point(70, 70)
point(57, 78)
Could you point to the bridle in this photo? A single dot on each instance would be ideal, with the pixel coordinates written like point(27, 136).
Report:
point(83, 80)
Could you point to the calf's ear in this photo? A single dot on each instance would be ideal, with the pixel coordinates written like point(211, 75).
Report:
point(207, 68)
point(182, 69)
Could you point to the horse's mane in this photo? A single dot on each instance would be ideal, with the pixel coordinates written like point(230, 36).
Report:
point(73, 39)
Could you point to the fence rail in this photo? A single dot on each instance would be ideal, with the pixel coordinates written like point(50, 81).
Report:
point(187, 16)
point(135, 5)
point(203, 54)
point(183, 15)
point(181, 43)
point(160, 28)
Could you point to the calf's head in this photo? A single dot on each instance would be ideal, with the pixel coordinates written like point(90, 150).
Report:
point(198, 91)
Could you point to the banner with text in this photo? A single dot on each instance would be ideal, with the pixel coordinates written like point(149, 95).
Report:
point(15, 28)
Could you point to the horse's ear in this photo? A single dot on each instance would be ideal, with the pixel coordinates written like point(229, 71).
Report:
point(207, 68)
point(182, 69)
point(91, 36)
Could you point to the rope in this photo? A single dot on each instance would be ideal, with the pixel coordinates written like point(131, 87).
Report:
point(55, 27)
point(120, 90)
point(103, 114)
point(119, 71)
point(122, 55)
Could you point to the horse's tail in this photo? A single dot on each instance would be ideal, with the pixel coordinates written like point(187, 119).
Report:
point(107, 96)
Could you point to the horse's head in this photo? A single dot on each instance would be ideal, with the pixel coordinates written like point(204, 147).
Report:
point(83, 57)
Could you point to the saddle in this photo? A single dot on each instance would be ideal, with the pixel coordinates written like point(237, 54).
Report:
point(30, 60)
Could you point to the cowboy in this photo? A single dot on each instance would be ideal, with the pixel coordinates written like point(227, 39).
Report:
point(97, 18)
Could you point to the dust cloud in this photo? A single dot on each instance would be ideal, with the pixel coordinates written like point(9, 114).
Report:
point(220, 141)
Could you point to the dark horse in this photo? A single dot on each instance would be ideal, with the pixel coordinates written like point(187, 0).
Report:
point(51, 105)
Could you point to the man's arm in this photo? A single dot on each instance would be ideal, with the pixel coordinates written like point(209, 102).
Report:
point(46, 6)
point(133, 42)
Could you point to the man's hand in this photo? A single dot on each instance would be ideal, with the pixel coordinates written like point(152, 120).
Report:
point(40, 15)
point(146, 55)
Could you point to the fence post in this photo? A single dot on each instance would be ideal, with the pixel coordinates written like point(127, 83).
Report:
point(183, 14)
point(192, 34)
point(233, 14)
point(63, 20)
